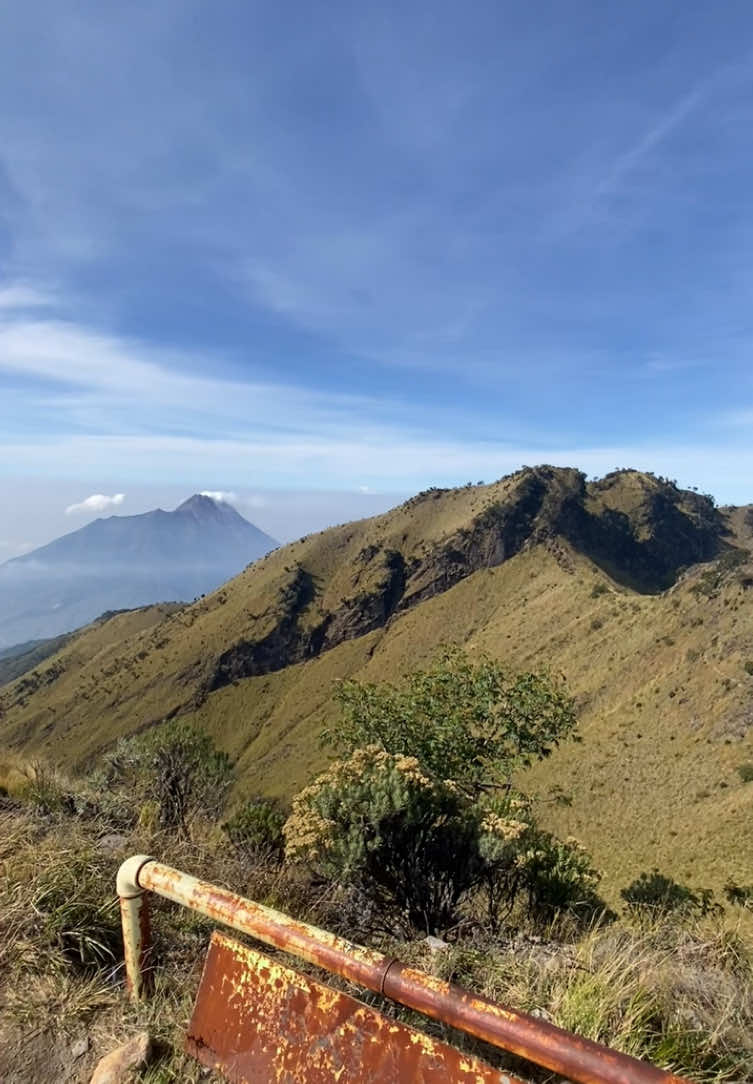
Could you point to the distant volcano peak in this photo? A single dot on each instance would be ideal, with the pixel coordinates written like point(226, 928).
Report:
point(205, 508)
point(125, 561)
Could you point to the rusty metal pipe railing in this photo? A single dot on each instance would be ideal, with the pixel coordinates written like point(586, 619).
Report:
point(579, 1059)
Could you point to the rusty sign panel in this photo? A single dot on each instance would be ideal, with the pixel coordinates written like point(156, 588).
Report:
point(257, 1021)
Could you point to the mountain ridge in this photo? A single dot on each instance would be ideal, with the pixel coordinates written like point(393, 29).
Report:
point(636, 590)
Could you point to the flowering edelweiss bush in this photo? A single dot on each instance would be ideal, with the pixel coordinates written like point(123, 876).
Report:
point(417, 846)
point(377, 821)
point(506, 823)
point(559, 876)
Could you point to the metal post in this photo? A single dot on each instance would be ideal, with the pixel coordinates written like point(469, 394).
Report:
point(134, 915)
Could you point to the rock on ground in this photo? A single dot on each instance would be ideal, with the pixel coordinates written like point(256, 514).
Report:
point(118, 1066)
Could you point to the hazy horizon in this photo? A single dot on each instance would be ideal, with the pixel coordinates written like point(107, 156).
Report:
point(327, 260)
point(285, 515)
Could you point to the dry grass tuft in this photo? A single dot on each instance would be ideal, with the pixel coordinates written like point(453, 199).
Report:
point(677, 994)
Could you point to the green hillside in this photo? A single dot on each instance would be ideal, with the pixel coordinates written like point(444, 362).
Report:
point(638, 592)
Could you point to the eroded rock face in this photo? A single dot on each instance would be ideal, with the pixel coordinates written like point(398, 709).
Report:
point(284, 644)
point(119, 1066)
point(646, 543)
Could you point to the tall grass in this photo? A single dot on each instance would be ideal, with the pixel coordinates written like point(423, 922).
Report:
point(679, 993)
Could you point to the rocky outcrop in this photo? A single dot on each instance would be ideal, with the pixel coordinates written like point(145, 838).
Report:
point(281, 646)
point(646, 547)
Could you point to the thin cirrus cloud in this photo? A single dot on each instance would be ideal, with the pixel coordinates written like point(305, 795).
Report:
point(98, 502)
point(84, 372)
point(21, 295)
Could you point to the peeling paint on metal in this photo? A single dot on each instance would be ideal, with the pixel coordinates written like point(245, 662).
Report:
point(134, 915)
point(571, 1056)
point(255, 1020)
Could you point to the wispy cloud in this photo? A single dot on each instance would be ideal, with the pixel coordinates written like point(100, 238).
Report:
point(602, 183)
point(111, 403)
point(98, 502)
point(652, 138)
point(19, 296)
point(96, 379)
point(394, 461)
point(223, 495)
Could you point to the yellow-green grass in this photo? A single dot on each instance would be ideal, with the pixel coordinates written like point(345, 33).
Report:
point(666, 704)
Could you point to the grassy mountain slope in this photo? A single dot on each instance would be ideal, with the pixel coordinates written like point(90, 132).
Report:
point(540, 567)
point(16, 660)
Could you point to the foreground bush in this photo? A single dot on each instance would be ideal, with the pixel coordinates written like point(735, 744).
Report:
point(255, 828)
point(172, 773)
point(421, 814)
point(377, 822)
point(418, 848)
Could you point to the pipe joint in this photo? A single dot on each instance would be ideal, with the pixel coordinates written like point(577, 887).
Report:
point(127, 881)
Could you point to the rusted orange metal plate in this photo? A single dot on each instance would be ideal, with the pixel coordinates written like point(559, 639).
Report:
point(257, 1021)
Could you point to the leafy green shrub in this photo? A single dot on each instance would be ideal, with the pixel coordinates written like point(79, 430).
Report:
point(421, 811)
point(559, 876)
point(176, 767)
point(745, 771)
point(526, 865)
point(660, 895)
point(507, 830)
point(598, 589)
point(748, 667)
point(418, 848)
point(473, 723)
point(255, 828)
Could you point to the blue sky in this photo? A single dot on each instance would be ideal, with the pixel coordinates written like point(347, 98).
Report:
point(361, 249)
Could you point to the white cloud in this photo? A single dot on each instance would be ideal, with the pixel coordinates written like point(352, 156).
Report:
point(281, 436)
point(107, 374)
point(660, 130)
point(220, 495)
point(98, 502)
point(20, 296)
